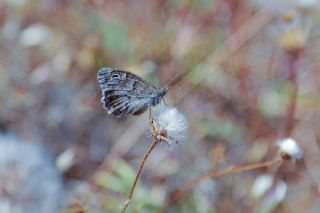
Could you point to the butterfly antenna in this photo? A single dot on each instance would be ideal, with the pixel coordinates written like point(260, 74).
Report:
point(177, 78)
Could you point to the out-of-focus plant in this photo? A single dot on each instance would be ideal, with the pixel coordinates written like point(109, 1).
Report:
point(240, 88)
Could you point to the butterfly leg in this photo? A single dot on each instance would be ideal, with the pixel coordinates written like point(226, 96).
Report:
point(164, 101)
point(150, 117)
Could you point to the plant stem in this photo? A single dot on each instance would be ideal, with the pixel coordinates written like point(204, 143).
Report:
point(213, 174)
point(126, 203)
point(292, 78)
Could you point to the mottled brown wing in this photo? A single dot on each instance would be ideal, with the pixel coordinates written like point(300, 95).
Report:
point(124, 93)
point(117, 80)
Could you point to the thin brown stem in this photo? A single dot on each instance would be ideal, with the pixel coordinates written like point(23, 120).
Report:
point(214, 174)
point(292, 78)
point(177, 78)
point(126, 203)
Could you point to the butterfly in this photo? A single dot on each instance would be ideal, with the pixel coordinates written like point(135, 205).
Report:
point(126, 93)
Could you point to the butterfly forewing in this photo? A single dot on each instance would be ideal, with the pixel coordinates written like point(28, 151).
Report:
point(125, 93)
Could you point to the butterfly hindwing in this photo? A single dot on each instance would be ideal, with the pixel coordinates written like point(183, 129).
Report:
point(120, 105)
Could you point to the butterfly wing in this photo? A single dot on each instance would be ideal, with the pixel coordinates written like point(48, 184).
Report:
point(124, 93)
point(121, 105)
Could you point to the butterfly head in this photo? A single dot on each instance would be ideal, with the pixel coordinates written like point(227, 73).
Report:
point(163, 91)
point(156, 99)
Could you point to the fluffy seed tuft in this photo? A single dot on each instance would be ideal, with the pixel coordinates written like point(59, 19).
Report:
point(289, 149)
point(169, 126)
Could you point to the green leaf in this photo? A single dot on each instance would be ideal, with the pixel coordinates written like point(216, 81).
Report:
point(111, 182)
point(125, 171)
point(116, 38)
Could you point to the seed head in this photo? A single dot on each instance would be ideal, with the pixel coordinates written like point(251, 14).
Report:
point(289, 149)
point(169, 126)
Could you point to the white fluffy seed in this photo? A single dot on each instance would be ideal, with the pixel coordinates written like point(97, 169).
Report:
point(290, 147)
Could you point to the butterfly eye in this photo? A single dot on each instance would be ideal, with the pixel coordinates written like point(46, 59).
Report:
point(115, 76)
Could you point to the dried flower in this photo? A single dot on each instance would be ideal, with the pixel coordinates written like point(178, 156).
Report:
point(169, 126)
point(289, 149)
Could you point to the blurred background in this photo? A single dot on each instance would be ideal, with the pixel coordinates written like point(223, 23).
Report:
point(252, 78)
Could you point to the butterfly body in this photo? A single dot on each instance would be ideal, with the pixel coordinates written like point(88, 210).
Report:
point(126, 93)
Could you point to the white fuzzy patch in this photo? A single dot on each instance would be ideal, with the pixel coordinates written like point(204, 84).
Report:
point(290, 147)
point(173, 122)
